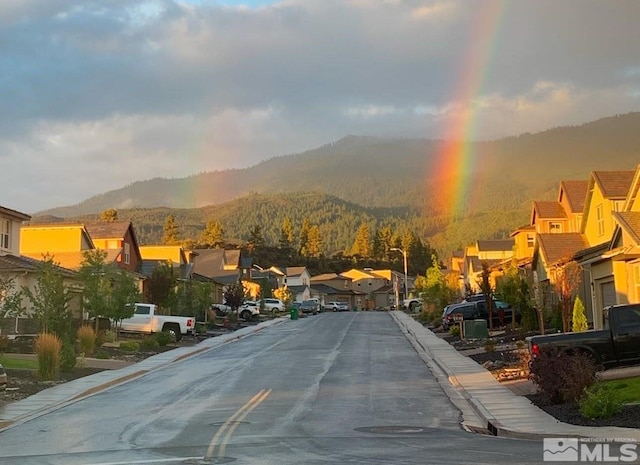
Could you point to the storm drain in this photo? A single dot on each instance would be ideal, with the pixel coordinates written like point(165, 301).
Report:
point(395, 429)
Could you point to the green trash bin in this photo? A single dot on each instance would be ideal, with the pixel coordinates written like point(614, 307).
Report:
point(294, 313)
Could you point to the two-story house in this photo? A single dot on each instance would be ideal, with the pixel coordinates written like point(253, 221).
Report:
point(329, 287)
point(298, 281)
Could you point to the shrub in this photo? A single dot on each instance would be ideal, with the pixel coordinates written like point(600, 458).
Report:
point(579, 320)
point(86, 340)
point(600, 402)
point(490, 345)
point(163, 338)
point(129, 346)
point(101, 354)
point(149, 343)
point(67, 357)
point(520, 344)
point(454, 331)
point(562, 376)
point(48, 348)
point(110, 336)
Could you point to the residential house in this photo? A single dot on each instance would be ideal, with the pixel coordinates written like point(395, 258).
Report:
point(23, 271)
point(120, 236)
point(298, 281)
point(609, 225)
point(381, 287)
point(225, 267)
point(490, 252)
point(336, 287)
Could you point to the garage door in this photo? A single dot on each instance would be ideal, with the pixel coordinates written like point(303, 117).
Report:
point(608, 292)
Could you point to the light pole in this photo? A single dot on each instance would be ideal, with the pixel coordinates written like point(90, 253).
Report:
point(404, 259)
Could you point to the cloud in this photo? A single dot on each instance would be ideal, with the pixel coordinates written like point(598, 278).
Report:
point(167, 88)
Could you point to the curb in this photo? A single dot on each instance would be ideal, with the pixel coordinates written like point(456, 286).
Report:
point(119, 380)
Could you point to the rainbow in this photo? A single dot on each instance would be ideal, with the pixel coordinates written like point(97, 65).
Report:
point(455, 159)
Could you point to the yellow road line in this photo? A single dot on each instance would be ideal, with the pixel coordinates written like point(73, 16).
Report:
point(241, 412)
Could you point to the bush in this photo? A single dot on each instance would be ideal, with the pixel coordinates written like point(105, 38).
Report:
point(110, 336)
point(562, 376)
point(67, 357)
point(164, 338)
point(454, 331)
point(129, 346)
point(149, 343)
point(48, 348)
point(103, 355)
point(86, 340)
point(600, 402)
point(490, 345)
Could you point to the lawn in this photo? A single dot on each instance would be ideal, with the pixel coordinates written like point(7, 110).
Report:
point(628, 389)
point(8, 361)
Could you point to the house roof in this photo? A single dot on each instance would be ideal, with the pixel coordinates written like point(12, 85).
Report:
point(548, 210)
point(384, 289)
point(558, 247)
point(14, 213)
point(107, 229)
point(297, 289)
point(73, 260)
point(630, 223)
point(294, 271)
point(614, 184)
point(14, 264)
point(329, 277)
point(325, 289)
point(576, 194)
point(526, 228)
point(496, 245)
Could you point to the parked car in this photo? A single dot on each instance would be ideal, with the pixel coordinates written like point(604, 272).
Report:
point(337, 306)
point(412, 304)
point(310, 306)
point(3, 378)
point(274, 304)
point(477, 309)
point(249, 310)
point(616, 345)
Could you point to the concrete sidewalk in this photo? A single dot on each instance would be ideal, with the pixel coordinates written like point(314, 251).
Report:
point(499, 410)
point(63, 394)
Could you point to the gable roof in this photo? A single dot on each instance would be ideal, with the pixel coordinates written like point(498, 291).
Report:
point(614, 184)
point(630, 223)
point(294, 271)
point(329, 277)
point(547, 210)
point(14, 264)
point(576, 194)
point(14, 214)
point(107, 229)
point(558, 247)
point(73, 260)
point(633, 190)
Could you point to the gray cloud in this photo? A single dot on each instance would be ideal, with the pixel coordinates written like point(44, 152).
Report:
point(165, 88)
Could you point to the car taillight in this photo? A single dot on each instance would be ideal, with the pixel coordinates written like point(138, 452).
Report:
point(190, 322)
point(535, 349)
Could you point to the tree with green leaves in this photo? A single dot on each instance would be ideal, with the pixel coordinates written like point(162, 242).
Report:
point(124, 294)
point(434, 287)
point(161, 286)
point(284, 293)
point(96, 276)
point(171, 232)
point(109, 215)
point(287, 236)
point(213, 235)
point(514, 289)
point(579, 320)
point(10, 297)
point(487, 291)
point(50, 300)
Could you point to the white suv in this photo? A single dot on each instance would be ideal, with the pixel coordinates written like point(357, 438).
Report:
point(274, 304)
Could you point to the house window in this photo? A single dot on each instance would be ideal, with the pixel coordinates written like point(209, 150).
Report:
point(127, 253)
point(600, 220)
point(346, 284)
point(530, 241)
point(5, 230)
point(555, 227)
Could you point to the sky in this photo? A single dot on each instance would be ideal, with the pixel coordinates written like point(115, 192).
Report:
point(96, 95)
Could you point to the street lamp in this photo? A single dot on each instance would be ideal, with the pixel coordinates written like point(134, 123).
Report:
point(404, 257)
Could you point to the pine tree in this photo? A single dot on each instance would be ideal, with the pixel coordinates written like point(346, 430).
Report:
point(304, 237)
point(171, 233)
point(314, 245)
point(256, 239)
point(213, 234)
point(579, 323)
point(362, 242)
point(286, 234)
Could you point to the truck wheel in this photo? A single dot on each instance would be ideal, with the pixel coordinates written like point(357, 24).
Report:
point(246, 315)
point(175, 332)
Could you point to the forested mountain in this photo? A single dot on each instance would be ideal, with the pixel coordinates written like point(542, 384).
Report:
point(377, 181)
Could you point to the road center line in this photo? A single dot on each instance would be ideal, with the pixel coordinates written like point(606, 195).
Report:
point(242, 412)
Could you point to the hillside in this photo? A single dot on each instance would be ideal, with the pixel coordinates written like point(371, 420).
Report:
point(376, 172)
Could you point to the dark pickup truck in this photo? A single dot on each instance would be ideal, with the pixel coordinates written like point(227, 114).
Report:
point(616, 345)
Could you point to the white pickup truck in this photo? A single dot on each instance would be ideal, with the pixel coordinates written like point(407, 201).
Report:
point(145, 319)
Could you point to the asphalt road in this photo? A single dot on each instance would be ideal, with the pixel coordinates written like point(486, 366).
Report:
point(339, 388)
